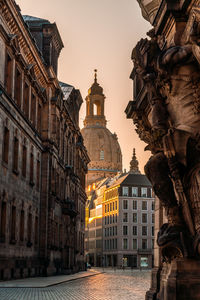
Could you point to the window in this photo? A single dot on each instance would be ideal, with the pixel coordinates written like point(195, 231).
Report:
point(3, 222)
point(144, 192)
point(105, 209)
point(31, 168)
point(144, 205)
point(144, 218)
point(144, 230)
point(38, 175)
point(125, 191)
point(105, 220)
point(8, 74)
point(24, 157)
point(115, 205)
point(110, 206)
point(125, 244)
point(125, 230)
point(134, 244)
point(134, 230)
point(110, 231)
point(134, 204)
point(39, 118)
point(134, 217)
point(152, 244)
point(110, 219)
point(113, 218)
point(115, 230)
point(144, 244)
point(125, 204)
point(125, 217)
point(29, 233)
point(101, 155)
point(5, 145)
point(116, 218)
point(29, 227)
point(33, 108)
point(152, 230)
point(21, 234)
point(134, 192)
point(153, 205)
point(152, 218)
point(15, 154)
point(13, 224)
point(106, 231)
point(17, 87)
point(26, 100)
point(115, 243)
point(57, 183)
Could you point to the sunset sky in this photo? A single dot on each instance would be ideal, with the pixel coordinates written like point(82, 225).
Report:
point(99, 34)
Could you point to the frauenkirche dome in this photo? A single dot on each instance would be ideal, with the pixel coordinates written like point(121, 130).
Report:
point(102, 145)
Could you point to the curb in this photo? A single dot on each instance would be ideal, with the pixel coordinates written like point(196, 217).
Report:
point(49, 285)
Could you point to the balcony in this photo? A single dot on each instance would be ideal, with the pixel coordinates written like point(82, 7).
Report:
point(69, 208)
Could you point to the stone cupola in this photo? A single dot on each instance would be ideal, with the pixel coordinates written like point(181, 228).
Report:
point(95, 105)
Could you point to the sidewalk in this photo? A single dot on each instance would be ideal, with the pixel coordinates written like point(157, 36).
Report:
point(41, 282)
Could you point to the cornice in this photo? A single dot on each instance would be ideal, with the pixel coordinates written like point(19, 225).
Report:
point(16, 24)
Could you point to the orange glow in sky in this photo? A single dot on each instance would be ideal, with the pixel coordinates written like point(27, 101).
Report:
point(99, 34)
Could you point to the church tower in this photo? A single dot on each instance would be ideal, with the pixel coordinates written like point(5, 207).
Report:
point(134, 164)
point(102, 145)
point(95, 105)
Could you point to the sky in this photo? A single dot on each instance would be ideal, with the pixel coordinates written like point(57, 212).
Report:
point(99, 34)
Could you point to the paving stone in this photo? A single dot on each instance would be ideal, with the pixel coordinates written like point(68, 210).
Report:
point(110, 285)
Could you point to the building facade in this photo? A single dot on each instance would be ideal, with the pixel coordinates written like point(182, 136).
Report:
point(128, 218)
point(43, 159)
point(121, 216)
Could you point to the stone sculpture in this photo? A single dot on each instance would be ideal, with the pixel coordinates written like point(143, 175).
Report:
point(170, 71)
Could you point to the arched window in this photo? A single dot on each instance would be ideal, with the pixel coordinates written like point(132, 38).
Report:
point(101, 155)
point(95, 110)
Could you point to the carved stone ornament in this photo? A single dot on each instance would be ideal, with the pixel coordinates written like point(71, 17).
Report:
point(166, 112)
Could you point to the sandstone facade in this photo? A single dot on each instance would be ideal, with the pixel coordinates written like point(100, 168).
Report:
point(42, 156)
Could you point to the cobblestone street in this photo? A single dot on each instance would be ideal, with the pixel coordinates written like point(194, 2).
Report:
point(111, 285)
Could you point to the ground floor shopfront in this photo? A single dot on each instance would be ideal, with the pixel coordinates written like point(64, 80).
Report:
point(122, 260)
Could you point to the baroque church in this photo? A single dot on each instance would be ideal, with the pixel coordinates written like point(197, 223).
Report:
point(102, 145)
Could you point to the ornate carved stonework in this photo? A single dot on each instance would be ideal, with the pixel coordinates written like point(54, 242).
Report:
point(149, 8)
point(166, 112)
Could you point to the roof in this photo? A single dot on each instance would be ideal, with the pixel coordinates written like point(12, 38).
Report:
point(35, 19)
point(132, 179)
point(66, 89)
